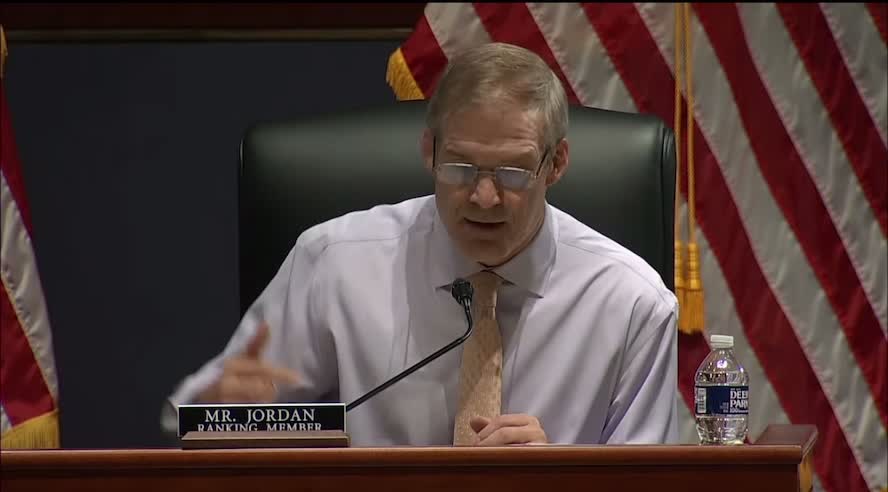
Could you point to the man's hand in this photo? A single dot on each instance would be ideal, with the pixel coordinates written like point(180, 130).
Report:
point(508, 429)
point(246, 379)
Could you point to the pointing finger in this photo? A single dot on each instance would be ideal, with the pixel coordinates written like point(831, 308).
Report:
point(257, 343)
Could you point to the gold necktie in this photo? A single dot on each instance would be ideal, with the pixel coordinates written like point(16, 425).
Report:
point(480, 375)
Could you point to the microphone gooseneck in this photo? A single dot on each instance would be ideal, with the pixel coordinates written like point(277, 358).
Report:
point(462, 292)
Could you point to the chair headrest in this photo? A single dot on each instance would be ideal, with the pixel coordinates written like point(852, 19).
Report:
point(295, 174)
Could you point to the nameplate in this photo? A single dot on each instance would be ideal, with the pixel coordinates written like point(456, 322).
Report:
point(262, 417)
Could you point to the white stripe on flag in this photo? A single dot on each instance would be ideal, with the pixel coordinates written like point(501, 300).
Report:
point(778, 251)
point(583, 59)
point(447, 19)
point(660, 21)
point(22, 282)
point(802, 112)
point(865, 53)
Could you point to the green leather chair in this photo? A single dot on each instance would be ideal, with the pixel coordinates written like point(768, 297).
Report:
point(295, 174)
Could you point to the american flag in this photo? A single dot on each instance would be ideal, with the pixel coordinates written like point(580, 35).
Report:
point(28, 382)
point(789, 159)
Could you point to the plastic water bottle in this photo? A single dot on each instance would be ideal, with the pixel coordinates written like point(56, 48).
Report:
point(721, 395)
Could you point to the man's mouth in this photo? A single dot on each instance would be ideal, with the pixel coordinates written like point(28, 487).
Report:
point(485, 225)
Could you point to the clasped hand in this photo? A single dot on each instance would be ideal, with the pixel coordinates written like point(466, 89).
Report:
point(508, 429)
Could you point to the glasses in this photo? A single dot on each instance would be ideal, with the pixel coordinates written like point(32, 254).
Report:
point(463, 174)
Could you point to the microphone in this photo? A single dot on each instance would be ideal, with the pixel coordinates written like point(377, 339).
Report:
point(462, 292)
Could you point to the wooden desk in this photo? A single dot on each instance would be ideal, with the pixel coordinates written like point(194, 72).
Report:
point(780, 460)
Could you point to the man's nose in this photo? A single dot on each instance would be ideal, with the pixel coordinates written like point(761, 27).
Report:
point(486, 193)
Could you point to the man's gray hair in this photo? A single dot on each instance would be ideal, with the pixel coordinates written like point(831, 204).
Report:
point(499, 72)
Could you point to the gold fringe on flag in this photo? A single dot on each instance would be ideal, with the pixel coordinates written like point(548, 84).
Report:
point(37, 433)
point(400, 78)
point(691, 299)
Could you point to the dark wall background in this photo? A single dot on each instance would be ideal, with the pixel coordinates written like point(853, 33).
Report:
point(129, 152)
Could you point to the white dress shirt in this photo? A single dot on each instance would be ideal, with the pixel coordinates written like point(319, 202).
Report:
point(588, 329)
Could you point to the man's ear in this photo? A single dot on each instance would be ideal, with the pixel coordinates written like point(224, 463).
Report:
point(426, 147)
point(560, 162)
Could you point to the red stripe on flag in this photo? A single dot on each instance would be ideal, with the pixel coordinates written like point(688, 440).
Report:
point(9, 161)
point(879, 13)
point(858, 132)
point(513, 23)
point(769, 333)
point(424, 57)
point(795, 192)
point(23, 390)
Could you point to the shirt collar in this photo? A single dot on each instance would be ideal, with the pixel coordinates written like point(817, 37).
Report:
point(529, 269)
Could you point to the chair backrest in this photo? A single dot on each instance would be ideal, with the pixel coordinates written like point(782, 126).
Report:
point(295, 174)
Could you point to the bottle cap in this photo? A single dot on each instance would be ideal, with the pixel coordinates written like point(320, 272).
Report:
point(721, 341)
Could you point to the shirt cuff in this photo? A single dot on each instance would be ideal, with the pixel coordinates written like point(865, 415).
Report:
point(186, 394)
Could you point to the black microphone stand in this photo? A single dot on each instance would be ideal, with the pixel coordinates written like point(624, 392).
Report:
point(462, 291)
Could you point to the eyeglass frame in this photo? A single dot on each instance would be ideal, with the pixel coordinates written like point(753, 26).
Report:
point(478, 171)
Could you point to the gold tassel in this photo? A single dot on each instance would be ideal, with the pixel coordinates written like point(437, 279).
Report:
point(38, 433)
point(679, 245)
point(680, 290)
point(3, 52)
point(400, 79)
point(694, 308)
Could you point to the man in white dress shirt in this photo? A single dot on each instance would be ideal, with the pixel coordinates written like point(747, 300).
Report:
point(586, 338)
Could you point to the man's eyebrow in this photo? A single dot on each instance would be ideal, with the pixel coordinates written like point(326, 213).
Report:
point(449, 150)
point(522, 154)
